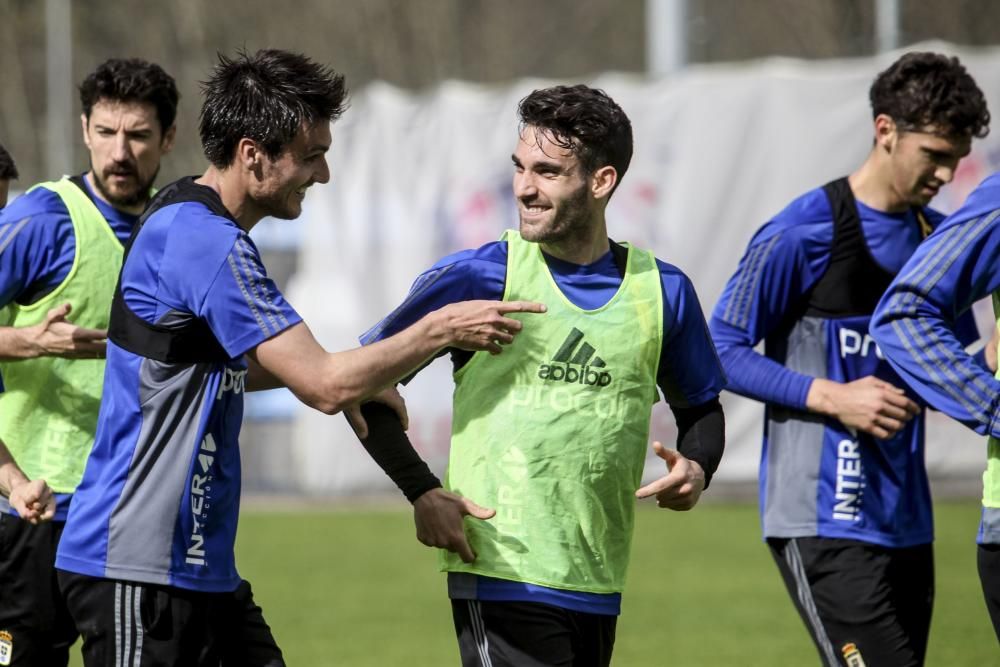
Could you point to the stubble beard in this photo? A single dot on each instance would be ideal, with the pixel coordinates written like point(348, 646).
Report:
point(571, 217)
point(140, 196)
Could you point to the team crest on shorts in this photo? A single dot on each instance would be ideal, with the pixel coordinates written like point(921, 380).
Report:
point(6, 647)
point(852, 656)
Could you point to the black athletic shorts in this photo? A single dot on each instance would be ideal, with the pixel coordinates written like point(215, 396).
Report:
point(863, 604)
point(531, 634)
point(988, 560)
point(139, 625)
point(36, 629)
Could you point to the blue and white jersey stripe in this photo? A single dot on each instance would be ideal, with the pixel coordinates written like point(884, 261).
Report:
point(915, 322)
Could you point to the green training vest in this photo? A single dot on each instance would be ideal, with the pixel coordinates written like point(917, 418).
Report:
point(552, 433)
point(48, 411)
point(991, 478)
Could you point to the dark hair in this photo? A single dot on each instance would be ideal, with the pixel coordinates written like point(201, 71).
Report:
point(132, 80)
point(265, 97)
point(582, 120)
point(931, 90)
point(8, 170)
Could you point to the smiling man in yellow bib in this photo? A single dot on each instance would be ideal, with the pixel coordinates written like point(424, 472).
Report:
point(553, 434)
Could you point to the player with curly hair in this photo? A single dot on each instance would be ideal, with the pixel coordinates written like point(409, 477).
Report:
point(845, 503)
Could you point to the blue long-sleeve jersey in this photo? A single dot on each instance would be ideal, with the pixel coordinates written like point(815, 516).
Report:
point(817, 478)
point(916, 322)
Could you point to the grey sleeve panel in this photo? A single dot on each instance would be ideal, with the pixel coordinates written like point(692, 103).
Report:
point(141, 531)
point(795, 443)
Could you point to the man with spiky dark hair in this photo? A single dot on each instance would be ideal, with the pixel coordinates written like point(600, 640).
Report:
point(147, 559)
point(552, 436)
point(845, 502)
point(8, 173)
point(60, 252)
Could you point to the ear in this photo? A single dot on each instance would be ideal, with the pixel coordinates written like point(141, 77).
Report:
point(603, 181)
point(167, 143)
point(248, 154)
point(84, 125)
point(886, 132)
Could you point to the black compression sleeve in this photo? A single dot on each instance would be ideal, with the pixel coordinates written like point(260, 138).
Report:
point(391, 449)
point(701, 435)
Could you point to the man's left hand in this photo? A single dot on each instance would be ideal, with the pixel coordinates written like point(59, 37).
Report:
point(390, 397)
point(681, 487)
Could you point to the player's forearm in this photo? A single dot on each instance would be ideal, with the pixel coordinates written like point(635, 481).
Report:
point(259, 379)
point(755, 376)
point(389, 446)
point(19, 343)
point(701, 435)
point(356, 375)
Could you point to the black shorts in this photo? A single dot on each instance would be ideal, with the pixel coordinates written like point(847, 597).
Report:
point(988, 560)
point(530, 634)
point(125, 623)
point(35, 627)
point(862, 603)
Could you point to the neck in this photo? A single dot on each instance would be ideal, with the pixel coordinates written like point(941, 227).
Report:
point(872, 185)
point(233, 194)
point(135, 209)
point(585, 247)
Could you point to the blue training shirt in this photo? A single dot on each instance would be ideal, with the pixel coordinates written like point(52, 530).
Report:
point(37, 247)
point(159, 499)
point(689, 374)
point(915, 323)
point(816, 477)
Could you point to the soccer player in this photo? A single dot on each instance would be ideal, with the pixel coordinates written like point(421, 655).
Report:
point(60, 251)
point(8, 173)
point(845, 503)
point(553, 434)
point(146, 561)
point(916, 326)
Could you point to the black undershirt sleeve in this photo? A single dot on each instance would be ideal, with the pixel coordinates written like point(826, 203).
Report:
point(389, 446)
point(701, 435)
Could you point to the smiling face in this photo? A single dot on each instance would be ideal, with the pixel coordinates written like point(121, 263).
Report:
point(126, 144)
point(281, 185)
point(920, 161)
point(554, 199)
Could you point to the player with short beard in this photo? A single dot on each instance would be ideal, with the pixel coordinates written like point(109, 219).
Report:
point(552, 436)
point(60, 252)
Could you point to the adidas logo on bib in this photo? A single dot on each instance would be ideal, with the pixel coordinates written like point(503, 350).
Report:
point(575, 363)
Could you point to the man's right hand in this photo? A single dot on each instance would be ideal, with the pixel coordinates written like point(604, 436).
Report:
point(439, 515)
point(55, 336)
point(481, 325)
point(869, 404)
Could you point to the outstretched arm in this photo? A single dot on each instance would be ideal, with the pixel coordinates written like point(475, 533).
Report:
point(330, 382)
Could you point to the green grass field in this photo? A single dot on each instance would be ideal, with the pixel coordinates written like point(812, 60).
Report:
point(354, 588)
